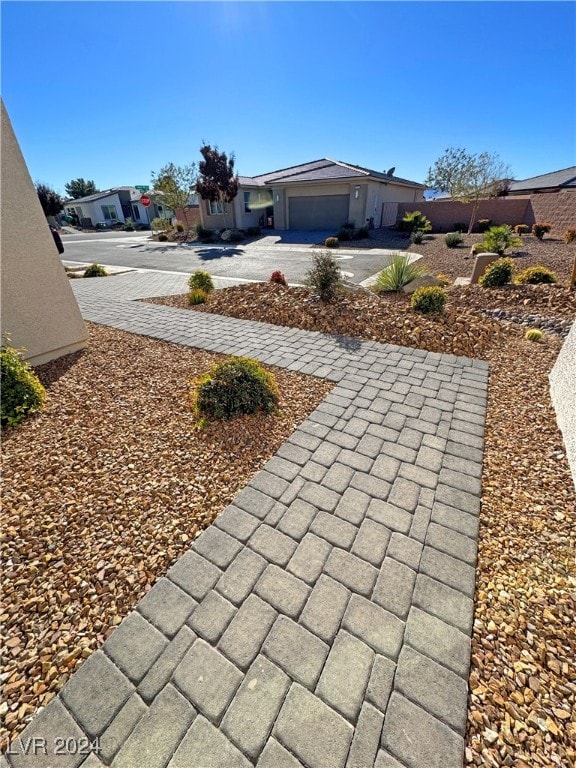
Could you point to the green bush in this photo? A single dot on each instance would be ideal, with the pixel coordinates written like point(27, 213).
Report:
point(95, 270)
point(569, 236)
point(430, 298)
point(345, 234)
point(331, 242)
point(235, 387)
point(499, 239)
point(325, 276)
point(197, 296)
point(521, 229)
point(478, 248)
point(163, 238)
point(201, 280)
point(128, 225)
point(204, 234)
point(453, 239)
point(362, 233)
point(179, 227)
point(399, 272)
point(161, 225)
point(540, 229)
point(497, 274)
point(535, 275)
point(417, 236)
point(414, 220)
point(533, 334)
point(483, 225)
point(22, 392)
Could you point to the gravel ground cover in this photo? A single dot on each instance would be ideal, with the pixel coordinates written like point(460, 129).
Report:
point(104, 490)
point(522, 701)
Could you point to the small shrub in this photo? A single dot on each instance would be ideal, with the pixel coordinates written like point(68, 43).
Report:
point(417, 236)
point(569, 236)
point(399, 272)
point(362, 233)
point(203, 234)
point(499, 239)
point(444, 279)
point(22, 392)
point(533, 334)
point(540, 229)
point(483, 225)
point(161, 225)
point(521, 229)
point(278, 278)
point(197, 296)
point(235, 387)
point(179, 227)
point(95, 270)
point(414, 220)
point(232, 236)
point(453, 239)
point(128, 225)
point(535, 275)
point(253, 231)
point(430, 298)
point(163, 238)
point(345, 234)
point(459, 227)
point(331, 242)
point(201, 280)
point(478, 248)
point(325, 276)
point(497, 274)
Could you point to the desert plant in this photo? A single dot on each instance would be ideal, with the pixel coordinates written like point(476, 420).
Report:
point(232, 236)
point(22, 392)
point(197, 296)
point(345, 233)
point(569, 236)
point(444, 279)
point(325, 276)
point(499, 239)
point(478, 248)
point(521, 229)
point(278, 278)
point(363, 233)
point(161, 225)
point(203, 234)
point(429, 298)
point(163, 238)
point(95, 270)
point(535, 275)
point(414, 220)
point(331, 242)
point(533, 334)
point(453, 239)
point(399, 272)
point(179, 227)
point(128, 225)
point(483, 225)
point(417, 236)
point(201, 280)
point(235, 387)
point(497, 274)
point(541, 228)
point(253, 231)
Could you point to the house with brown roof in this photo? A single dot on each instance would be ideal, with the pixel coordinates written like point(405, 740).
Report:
point(320, 195)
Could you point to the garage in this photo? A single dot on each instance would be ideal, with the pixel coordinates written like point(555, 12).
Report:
point(318, 212)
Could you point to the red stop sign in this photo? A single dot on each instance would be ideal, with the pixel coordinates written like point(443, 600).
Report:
point(146, 201)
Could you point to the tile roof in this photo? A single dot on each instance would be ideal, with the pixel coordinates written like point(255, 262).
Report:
point(98, 195)
point(563, 178)
point(320, 170)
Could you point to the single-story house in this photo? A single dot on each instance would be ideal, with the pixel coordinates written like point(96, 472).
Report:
point(546, 183)
point(116, 205)
point(321, 195)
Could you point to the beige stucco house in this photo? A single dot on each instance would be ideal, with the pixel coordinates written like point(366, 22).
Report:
point(321, 195)
point(39, 310)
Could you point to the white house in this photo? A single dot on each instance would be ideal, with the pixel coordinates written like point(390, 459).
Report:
point(116, 205)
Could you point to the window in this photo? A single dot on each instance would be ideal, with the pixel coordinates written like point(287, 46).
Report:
point(109, 212)
point(215, 208)
point(247, 208)
point(135, 213)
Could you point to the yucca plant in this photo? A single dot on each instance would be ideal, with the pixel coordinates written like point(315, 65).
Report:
point(399, 272)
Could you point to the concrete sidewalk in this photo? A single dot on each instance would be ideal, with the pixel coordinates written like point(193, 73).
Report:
point(324, 619)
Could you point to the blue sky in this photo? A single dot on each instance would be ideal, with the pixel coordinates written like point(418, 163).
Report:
point(111, 91)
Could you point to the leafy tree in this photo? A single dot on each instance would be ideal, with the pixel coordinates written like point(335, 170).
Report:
point(51, 202)
point(177, 183)
point(217, 182)
point(468, 177)
point(78, 188)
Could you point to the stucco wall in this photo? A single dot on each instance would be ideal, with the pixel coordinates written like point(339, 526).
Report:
point(39, 310)
point(563, 393)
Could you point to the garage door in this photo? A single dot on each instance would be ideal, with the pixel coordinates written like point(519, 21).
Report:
point(320, 212)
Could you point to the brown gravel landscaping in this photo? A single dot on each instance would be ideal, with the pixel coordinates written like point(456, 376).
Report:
point(104, 490)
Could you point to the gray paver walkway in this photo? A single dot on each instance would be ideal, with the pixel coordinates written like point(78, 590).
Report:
point(324, 619)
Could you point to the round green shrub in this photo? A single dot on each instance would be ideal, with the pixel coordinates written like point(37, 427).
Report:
point(417, 236)
point(202, 280)
point(429, 298)
point(235, 387)
point(453, 239)
point(362, 233)
point(95, 270)
point(331, 242)
point(345, 233)
point(535, 275)
point(497, 274)
point(22, 392)
point(197, 296)
point(534, 334)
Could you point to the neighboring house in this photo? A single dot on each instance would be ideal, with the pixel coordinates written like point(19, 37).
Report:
point(116, 205)
point(321, 195)
point(546, 183)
